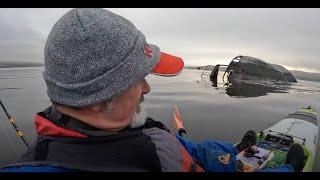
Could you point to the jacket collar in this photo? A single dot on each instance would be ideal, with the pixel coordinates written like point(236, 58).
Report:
point(53, 123)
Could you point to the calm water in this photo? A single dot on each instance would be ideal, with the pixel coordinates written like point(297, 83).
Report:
point(208, 112)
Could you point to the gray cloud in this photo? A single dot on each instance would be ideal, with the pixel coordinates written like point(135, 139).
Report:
point(19, 42)
point(201, 36)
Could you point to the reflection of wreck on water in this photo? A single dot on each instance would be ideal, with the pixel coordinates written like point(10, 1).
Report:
point(243, 89)
point(249, 77)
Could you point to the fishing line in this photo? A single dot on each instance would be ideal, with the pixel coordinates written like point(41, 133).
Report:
point(10, 140)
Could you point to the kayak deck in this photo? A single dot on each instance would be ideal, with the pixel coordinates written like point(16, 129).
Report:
point(300, 127)
point(280, 155)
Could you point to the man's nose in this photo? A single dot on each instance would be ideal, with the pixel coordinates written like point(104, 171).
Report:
point(145, 87)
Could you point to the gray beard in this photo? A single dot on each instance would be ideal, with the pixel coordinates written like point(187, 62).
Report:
point(139, 117)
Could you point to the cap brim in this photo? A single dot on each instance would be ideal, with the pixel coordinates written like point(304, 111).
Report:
point(168, 65)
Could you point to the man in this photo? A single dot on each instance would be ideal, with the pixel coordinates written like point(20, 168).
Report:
point(95, 68)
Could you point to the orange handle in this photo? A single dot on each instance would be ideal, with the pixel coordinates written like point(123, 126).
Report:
point(177, 120)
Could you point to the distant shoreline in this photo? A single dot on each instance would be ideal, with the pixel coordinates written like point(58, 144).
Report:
point(19, 64)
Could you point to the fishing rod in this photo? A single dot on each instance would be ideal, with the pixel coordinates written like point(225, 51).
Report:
point(11, 120)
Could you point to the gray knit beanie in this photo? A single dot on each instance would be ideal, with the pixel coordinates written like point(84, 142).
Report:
point(92, 55)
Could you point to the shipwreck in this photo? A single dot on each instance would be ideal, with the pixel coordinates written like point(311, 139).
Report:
point(246, 68)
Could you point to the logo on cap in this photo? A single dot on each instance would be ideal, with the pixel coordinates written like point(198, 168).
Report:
point(148, 51)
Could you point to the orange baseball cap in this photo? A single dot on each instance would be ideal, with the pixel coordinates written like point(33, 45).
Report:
point(163, 64)
point(168, 65)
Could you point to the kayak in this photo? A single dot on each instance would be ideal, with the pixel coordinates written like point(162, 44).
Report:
point(274, 142)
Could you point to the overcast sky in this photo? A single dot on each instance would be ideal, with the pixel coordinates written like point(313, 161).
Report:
point(289, 37)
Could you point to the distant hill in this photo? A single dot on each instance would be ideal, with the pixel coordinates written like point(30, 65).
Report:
point(297, 74)
point(195, 67)
point(19, 64)
point(306, 75)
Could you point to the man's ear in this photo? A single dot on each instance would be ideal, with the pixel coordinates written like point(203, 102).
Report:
point(95, 107)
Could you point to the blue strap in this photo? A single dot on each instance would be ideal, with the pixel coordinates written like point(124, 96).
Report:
point(284, 168)
point(36, 169)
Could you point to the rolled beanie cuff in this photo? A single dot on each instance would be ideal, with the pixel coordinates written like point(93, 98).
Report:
point(136, 66)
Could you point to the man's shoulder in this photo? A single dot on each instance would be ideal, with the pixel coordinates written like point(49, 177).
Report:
point(160, 134)
point(151, 123)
